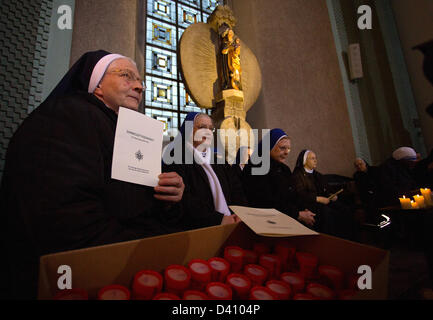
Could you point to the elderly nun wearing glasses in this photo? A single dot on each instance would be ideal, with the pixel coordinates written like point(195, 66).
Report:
point(273, 189)
point(210, 183)
point(57, 193)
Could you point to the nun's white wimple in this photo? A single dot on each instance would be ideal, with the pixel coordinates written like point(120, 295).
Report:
point(100, 68)
point(404, 153)
point(305, 156)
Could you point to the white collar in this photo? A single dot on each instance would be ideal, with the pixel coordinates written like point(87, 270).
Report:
point(199, 156)
point(308, 171)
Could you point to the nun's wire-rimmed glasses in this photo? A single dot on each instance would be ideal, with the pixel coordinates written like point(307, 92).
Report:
point(129, 76)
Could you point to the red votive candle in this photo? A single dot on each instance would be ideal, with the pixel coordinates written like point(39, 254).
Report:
point(177, 279)
point(194, 295)
point(200, 274)
point(250, 257)
point(347, 294)
point(320, 291)
point(114, 292)
point(146, 284)
point(272, 263)
point(307, 264)
point(166, 296)
point(240, 285)
point(280, 289)
point(262, 293)
point(331, 276)
point(235, 256)
point(218, 291)
point(286, 254)
point(261, 248)
point(295, 280)
point(256, 273)
point(220, 268)
point(72, 294)
point(304, 296)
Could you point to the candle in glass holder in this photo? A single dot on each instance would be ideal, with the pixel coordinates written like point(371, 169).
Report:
point(420, 201)
point(414, 204)
point(146, 284)
point(280, 288)
point(114, 292)
point(240, 285)
point(220, 268)
point(307, 264)
point(200, 274)
point(272, 263)
point(218, 291)
point(320, 291)
point(256, 273)
point(426, 193)
point(295, 280)
point(286, 252)
point(405, 203)
point(177, 279)
point(234, 255)
point(262, 293)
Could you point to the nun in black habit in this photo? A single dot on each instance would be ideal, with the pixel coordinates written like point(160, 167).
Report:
point(314, 193)
point(274, 190)
point(367, 184)
point(210, 183)
point(398, 176)
point(57, 193)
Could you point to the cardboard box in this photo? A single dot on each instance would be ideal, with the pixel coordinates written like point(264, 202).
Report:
point(96, 267)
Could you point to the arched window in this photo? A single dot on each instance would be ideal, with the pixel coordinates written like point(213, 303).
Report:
point(165, 95)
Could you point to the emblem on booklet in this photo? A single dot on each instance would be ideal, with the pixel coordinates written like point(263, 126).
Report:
point(139, 155)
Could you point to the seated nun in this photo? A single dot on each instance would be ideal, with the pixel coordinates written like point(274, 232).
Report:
point(210, 184)
point(397, 176)
point(57, 193)
point(314, 194)
point(366, 180)
point(273, 189)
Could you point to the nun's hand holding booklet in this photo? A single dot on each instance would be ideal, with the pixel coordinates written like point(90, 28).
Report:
point(137, 148)
point(271, 222)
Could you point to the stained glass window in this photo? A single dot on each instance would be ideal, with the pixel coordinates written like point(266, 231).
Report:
point(165, 96)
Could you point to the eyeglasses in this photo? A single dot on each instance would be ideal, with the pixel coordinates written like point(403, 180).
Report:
point(284, 149)
point(128, 76)
point(211, 128)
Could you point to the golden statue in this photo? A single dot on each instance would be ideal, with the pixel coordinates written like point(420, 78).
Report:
point(231, 60)
point(214, 75)
point(235, 65)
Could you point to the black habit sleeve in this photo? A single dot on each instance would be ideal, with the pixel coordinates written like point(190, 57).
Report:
point(57, 188)
point(197, 205)
point(301, 186)
point(271, 190)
